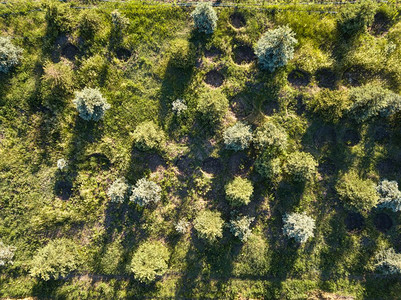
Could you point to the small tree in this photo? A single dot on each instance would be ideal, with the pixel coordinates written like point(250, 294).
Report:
point(88, 24)
point(145, 192)
point(119, 24)
point(390, 195)
point(10, 55)
point(205, 18)
point(298, 226)
point(118, 191)
point(57, 78)
point(182, 54)
point(213, 106)
point(6, 254)
point(148, 136)
point(271, 138)
point(268, 167)
point(388, 262)
point(179, 107)
point(209, 225)
point(90, 104)
point(62, 164)
point(275, 48)
point(237, 137)
point(301, 166)
point(239, 191)
point(357, 193)
point(150, 261)
point(240, 228)
point(182, 226)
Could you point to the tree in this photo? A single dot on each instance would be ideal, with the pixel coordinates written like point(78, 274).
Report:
point(301, 166)
point(119, 24)
point(62, 164)
point(239, 191)
point(182, 226)
point(213, 106)
point(148, 136)
point(237, 137)
point(298, 226)
point(275, 48)
point(268, 167)
point(90, 104)
point(118, 191)
point(6, 254)
point(88, 24)
point(182, 54)
point(209, 225)
point(388, 262)
point(205, 18)
point(10, 55)
point(150, 261)
point(240, 228)
point(356, 192)
point(179, 107)
point(145, 192)
point(390, 195)
point(57, 78)
point(55, 260)
point(271, 138)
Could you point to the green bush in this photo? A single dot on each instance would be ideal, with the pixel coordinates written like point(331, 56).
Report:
point(119, 24)
point(237, 137)
point(59, 19)
point(6, 254)
point(357, 193)
point(268, 167)
point(310, 58)
point(240, 228)
point(390, 195)
point(118, 191)
point(388, 262)
point(213, 106)
point(271, 138)
point(55, 260)
point(10, 55)
point(209, 225)
point(275, 48)
point(89, 23)
point(182, 54)
point(90, 104)
point(205, 18)
point(150, 261)
point(93, 71)
point(148, 136)
point(57, 78)
point(239, 191)
point(301, 166)
point(145, 192)
point(179, 107)
point(298, 226)
point(111, 258)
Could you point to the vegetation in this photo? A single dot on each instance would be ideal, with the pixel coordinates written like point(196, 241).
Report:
point(240, 228)
point(148, 136)
point(6, 254)
point(205, 18)
point(301, 166)
point(209, 225)
point(271, 138)
point(388, 262)
point(237, 137)
point(300, 227)
point(145, 192)
point(213, 106)
point(90, 104)
point(118, 191)
point(239, 191)
point(10, 54)
point(390, 195)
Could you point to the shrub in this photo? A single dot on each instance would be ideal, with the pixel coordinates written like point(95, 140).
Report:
point(93, 70)
point(110, 259)
point(390, 195)
point(205, 18)
point(57, 78)
point(298, 226)
point(240, 228)
point(119, 24)
point(179, 107)
point(301, 166)
point(10, 55)
point(145, 192)
point(150, 261)
point(89, 22)
point(62, 164)
point(388, 262)
point(275, 48)
point(118, 191)
point(209, 225)
point(268, 167)
point(182, 226)
point(357, 193)
point(58, 18)
point(310, 58)
point(237, 137)
point(271, 138)
point(182, 54)
point(6, 254)
point(148, 136)
point(90, 104)
point(55, 260)
point(239, 191)
point(213, 106)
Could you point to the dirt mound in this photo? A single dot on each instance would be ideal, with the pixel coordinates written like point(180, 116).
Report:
point(243, 55)
point(383, 222)
point(354, 222)
point(237, 20)
point(100, 160)
point(212, 165)
point(185, 165)
point(214, 78)
point(351, 137)
point(327, 167)
point(299, 78)
point(123, 54)
point(239, 163)
point(63, 189)
point(213, 53)
point(326, 78)
point(381, 24)
point(381, 134)
point(69, 51)
point(387, 167)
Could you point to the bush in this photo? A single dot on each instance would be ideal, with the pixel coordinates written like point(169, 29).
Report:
point(310, 58)
point(57, 78)
point(93, 71)
point(6, 254)
point(90, 104)
point(55, 260)
point(298, 226)
point(301, 166)
point(271, 138)
point(237, 137)
point(58, 18)
point(179, 107)
point(268, 167)
point(148, 136)
point(118, 191)
point(119, 24)
point(110, 259)
point(62, 164)
point(213, 106)
point(275, 48)
point(357, 193)
point(89, 22)
point(150, 261)
point(209, 225)
point(145, 192)
point(239, 191)
point(390, 195)
point(388, 262)
point(10, 55)
point(205, 18)
point(182, 54)
point(182, 226)
point(240, 228)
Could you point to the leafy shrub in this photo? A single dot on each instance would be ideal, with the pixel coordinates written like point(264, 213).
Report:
point(237, 137)
point(179, 106)
point(182, 226)
point(301, 166)
point(298, 226)
point(182, 54)
point(388, 262)
point(310, 58)
point(239, 191)
point(90, 104)
point(209, 225)
point(145, 192)
point(62, 164)
point(271, 138)
point(390, 195)
point(357, 193)
point(275, 48)
point(57, 259)
point(57, 78)
point(118, 191)
point(205, 18)
point(111, 258)
point(89, 22)
point(268, 167)
point(6, 254)
point(150, 261)
point(119, 24)
point(93, 71)
point(10, 55)
point(240, 228)
point(148, 136)
point(58, 18)
point(213, 106)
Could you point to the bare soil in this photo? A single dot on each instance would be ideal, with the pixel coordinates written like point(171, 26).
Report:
point(299, 78)
point(324, 135)
point(237, 20)
point(214, 78)
point(354, 222)
point(69, 51)
point(63, 189)
point(243, 55)
point(326, 78)
point(123, 54)
point(213, 53)
point(351, 137)
point(212, 165)
point(383, 222)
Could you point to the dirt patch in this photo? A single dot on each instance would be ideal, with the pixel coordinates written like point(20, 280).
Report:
point(354, 222)
point(324, 135)
point(185, 165)
point(383, 222)
point(387, 167)
point(381, 24)
point(240, 107)
point(320, 295)
point(269, 108)
point(237, 20)
point(214, 78)
point(243, 55)
point(299, 78)
point(356, 76)
point(69, 51)
point(239, 163)
point(327, 167)
point(100, 160)
point(63, 189)
point(326, 78)
point(123, 54)
point(213, 53)
point(212, 165)
point(154, 162)
point(351, 137)
point(381, 134)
